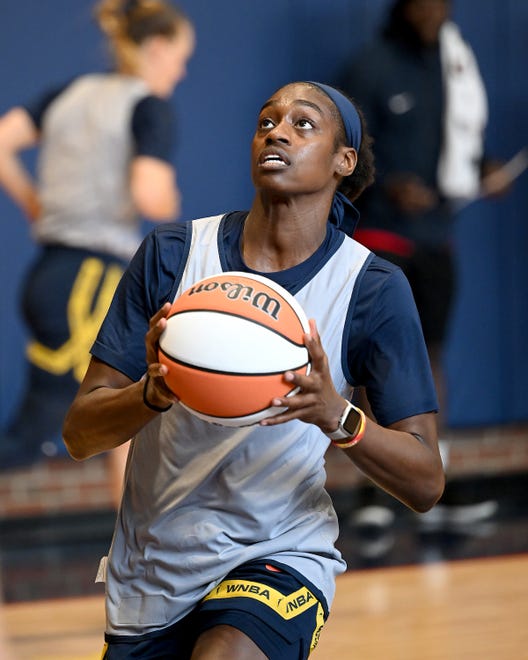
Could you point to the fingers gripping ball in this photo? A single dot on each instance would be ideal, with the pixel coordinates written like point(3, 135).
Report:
point(228, 341)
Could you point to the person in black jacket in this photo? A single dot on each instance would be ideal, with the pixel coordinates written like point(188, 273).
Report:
point(420, 88)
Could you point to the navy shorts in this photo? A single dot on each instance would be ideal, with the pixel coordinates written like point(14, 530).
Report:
point(271, 605)
point(65, 296)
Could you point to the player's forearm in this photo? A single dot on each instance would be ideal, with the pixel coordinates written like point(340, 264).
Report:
point(17, 133)
point(400, 463)
point(105, 418)
point(154, 190)
point(18, 184)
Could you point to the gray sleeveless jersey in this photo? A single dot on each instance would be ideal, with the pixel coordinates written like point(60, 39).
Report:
point(84, 166)
point(201, 499)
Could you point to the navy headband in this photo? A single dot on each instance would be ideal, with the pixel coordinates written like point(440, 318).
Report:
point(343, 213)
point(348, 112)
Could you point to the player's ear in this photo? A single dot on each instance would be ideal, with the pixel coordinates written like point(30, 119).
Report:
point(347, 161)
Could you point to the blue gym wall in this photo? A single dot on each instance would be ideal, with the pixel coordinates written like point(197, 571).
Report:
point(245, 50)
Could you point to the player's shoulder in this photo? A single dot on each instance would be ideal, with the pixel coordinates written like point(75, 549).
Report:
point(180, 231)
point(384, 279)
point(170, 232)
point(382, 266)
point(151, 106)
point(38, 105)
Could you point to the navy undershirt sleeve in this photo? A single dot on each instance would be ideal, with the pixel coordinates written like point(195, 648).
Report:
point(37, 106)
point(146, 285)
point(153, 128)
point(387, 352)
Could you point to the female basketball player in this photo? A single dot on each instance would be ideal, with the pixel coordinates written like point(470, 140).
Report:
point(105, 159)
point(224, 546)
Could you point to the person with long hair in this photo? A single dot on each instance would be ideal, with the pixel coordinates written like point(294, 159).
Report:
point(105, 145)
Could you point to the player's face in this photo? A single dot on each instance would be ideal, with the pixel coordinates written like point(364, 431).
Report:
point(293, 149)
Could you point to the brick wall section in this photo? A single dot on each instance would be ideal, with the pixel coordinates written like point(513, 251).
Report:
point(59, 485)
point(62, 485)
point(492, 451)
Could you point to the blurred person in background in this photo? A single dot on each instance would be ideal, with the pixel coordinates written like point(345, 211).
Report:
point(425, 103)
point(105, 147)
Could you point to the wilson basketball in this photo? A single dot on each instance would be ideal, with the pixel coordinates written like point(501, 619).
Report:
point(228, 341)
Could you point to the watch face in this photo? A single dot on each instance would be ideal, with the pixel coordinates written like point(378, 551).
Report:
point(351, 423)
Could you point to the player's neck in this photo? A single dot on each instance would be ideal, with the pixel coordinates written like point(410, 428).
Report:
point(280, 239)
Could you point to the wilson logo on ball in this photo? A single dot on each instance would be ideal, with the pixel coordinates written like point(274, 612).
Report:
point(229, 339)
point(236, 291)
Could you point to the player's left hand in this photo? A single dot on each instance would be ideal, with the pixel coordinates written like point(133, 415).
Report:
point(317, 402)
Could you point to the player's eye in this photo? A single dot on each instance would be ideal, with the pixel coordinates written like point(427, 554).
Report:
point(305, 124)
point(265, 122)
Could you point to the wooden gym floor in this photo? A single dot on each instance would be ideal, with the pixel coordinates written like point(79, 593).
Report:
point(414, 591)
point(450, 610)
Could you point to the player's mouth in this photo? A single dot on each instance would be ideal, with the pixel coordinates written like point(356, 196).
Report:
point(273, 159)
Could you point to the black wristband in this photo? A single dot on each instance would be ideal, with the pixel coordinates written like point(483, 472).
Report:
point(151, 405)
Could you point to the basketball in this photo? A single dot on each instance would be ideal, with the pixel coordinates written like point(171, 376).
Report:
point(228, 341)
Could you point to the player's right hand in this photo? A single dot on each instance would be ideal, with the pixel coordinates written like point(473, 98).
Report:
point(157, 392)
